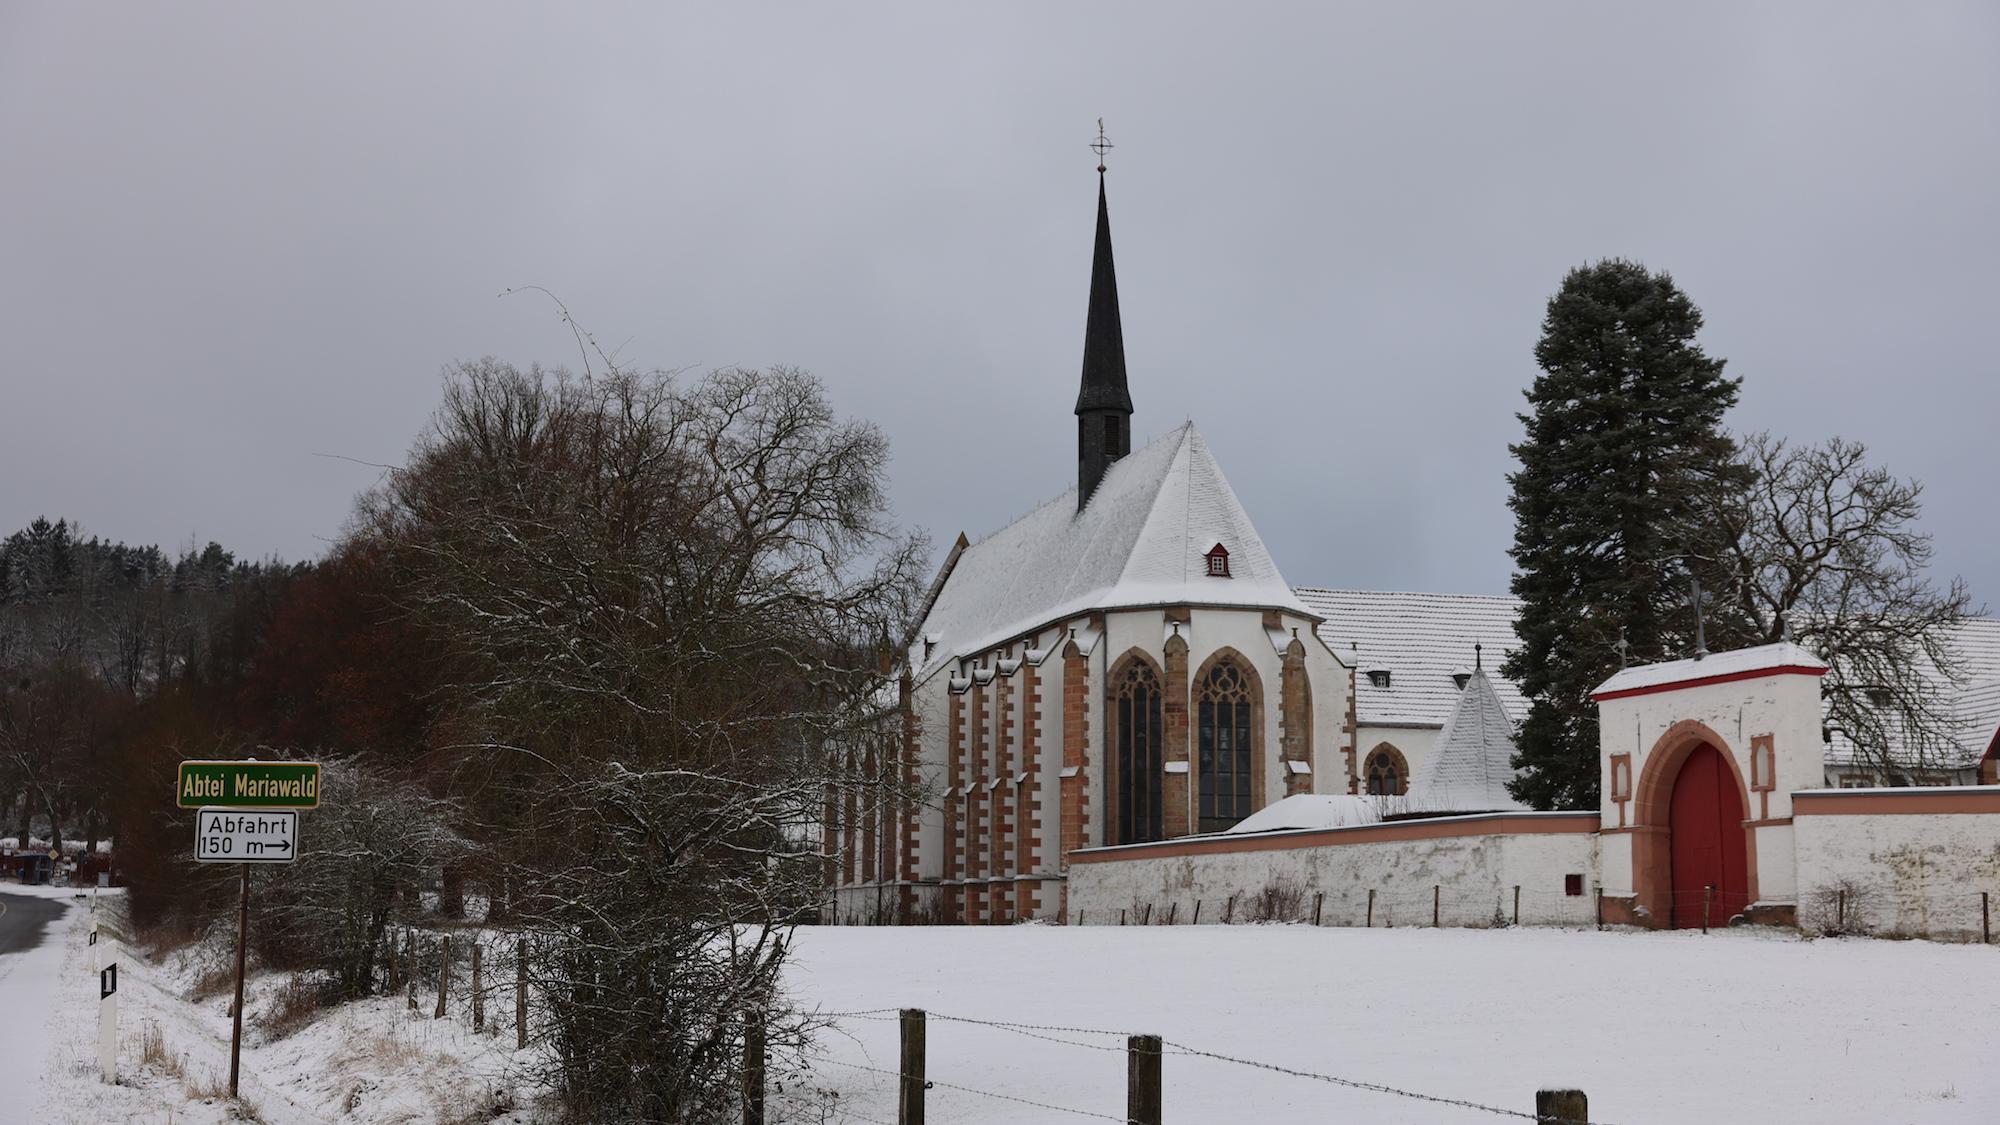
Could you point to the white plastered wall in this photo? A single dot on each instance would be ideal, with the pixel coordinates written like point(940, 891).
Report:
point(1473, 876)
point(1903, 875)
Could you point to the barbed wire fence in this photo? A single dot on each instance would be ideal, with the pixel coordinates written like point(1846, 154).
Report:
point(914, 1080)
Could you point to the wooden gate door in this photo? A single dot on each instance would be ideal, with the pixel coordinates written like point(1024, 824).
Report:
point(1706, 823)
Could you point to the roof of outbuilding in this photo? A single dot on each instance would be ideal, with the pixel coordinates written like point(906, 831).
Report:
point(1781, 657)
point(1474, 759)
point(1420, 639)
point(1142, 539)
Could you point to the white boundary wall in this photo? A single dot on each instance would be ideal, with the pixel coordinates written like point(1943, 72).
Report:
point(1473, 862)
point(1912, 862)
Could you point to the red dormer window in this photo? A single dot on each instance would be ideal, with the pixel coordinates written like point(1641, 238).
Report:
point(1218, 561)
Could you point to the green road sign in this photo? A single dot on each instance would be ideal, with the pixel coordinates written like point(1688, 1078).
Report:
point(249, 785)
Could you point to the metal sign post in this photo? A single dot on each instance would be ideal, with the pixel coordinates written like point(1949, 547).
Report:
point(242, 935)
point(257, 824)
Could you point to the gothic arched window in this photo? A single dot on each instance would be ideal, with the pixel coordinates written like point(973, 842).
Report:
point(1136, 727)
point(1386, 773)
point(1224, 720)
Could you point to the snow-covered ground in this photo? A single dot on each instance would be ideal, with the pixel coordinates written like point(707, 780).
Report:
point(1742, 1026)
point(373, 1061)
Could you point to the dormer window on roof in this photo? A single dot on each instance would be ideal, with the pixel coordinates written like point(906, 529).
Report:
point(1461, 677)
point(1378, 677)
point(1218, 561)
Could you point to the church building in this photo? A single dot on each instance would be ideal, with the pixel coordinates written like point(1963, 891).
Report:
point(1122, 664)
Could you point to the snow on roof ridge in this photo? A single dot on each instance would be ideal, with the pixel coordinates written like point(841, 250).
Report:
point(1356, 590)
point(1123, 548)
point(1070, 492)
point(1760, 658)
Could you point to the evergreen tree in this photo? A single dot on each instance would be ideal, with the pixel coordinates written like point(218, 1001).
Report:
point(1624, 463)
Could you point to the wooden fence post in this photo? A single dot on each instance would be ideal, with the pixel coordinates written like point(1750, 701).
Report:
point(410, 963)
point(910, 1093)
point(444, 976)
point(1319, 900)
point(1562, 1107)
point(521, 993)
point(1517, 904)
point(1229, 912)
point(1121, 915)
point(1986, 917)
point(1142, 1080)
point(1146, 916)
point(1371, 908)
point(1707, 896)
point(1600, 907)
point(753, 1067)
point(1840, 909)
point(478, 997)
point(1197, 913)
point(389, 966)
point(1173, 908)
point(1437, 896)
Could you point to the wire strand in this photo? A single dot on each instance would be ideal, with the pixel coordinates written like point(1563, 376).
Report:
point(928, 1082)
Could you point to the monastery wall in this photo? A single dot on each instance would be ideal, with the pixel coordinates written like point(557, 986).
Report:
point(1471, 864)
point(1898, 862)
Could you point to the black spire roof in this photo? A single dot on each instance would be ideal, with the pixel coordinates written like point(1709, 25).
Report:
point(1103, 338)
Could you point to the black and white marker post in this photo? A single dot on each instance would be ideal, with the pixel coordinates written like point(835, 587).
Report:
point(262, 828)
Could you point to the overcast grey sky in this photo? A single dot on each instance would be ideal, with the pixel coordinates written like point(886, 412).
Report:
point(235, 237)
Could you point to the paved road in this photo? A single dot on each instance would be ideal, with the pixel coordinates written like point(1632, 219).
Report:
point(30, 955)
point(23, 920)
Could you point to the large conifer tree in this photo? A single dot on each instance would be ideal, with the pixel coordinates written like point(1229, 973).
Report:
point(1624, 462)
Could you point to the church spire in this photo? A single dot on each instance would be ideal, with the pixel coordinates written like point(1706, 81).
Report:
point(1103, 405)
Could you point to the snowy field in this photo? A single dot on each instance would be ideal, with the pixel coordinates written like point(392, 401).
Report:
point(369, 1062)
point(1744, 1026)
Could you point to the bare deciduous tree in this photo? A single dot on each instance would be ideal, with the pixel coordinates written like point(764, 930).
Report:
point(1825, 547)
point(670, 598)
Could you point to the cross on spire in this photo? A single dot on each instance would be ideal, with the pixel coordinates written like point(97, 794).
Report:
point(1101, 145)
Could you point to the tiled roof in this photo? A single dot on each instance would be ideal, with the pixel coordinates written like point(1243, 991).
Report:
point(1142, 539)
point(1469, 770)
point(1420, 639)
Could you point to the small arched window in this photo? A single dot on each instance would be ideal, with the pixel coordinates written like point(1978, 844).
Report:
point(1385, 773)
point(1225, 717)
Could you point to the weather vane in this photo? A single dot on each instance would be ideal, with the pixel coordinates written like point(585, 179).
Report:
point(1101, 145)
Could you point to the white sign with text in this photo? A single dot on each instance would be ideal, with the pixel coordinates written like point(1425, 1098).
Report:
point(246, 835)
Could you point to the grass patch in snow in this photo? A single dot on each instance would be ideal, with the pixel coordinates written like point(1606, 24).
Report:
point(299, 1002)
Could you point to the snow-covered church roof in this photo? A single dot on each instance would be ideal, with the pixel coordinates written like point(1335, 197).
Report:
point(1473, 762)
point(1143, 539)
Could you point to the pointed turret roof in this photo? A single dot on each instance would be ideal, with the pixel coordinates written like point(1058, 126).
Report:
point(1103, 337)
point(1143, 540)
point(1474, 758)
